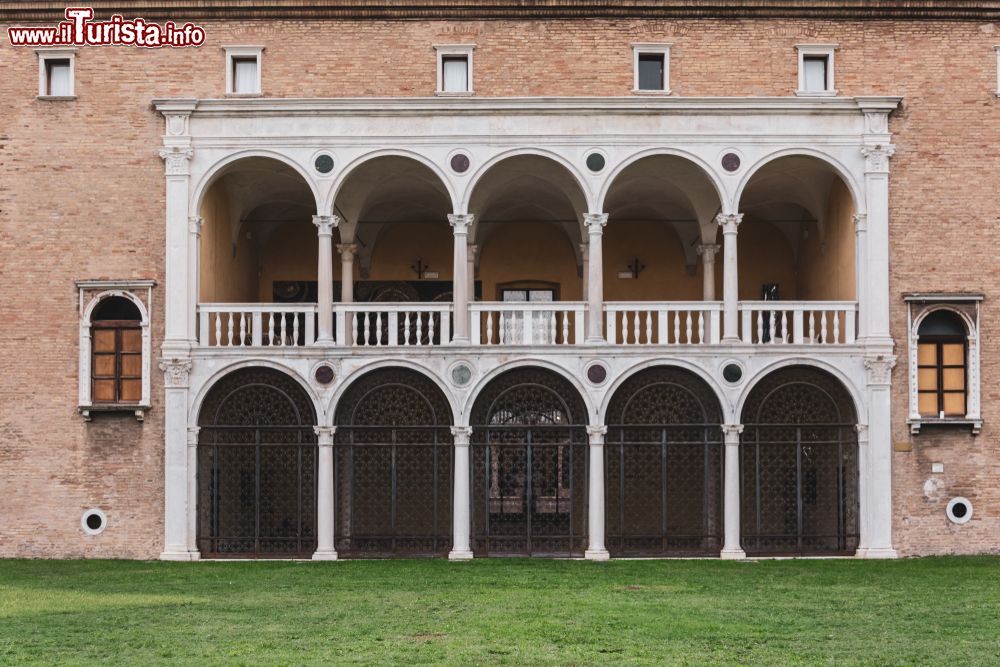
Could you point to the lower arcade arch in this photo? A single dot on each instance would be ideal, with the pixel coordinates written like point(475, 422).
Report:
point(529, 466)
point(393, 466)
point(799, 466)
point(256, 468)
point(663, 466)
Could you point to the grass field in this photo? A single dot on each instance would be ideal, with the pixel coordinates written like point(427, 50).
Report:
point(936, 611)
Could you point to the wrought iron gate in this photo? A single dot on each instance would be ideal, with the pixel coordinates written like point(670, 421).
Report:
point(529, 458)
point(393, 467)
point(663, 466)
point(257, 468)
point(799, 466)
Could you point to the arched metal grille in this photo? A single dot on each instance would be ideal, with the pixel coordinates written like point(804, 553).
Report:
point(529, 458)
point(257, 468)
point(393, 466)
point(663, 466)
point(799, 466)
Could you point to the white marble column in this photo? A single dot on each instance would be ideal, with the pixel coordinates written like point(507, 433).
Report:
point(461, 546)
point(876, 539)
point(730, 281)
point(347, 252)
point(707, 252)
point(324, 277)
point(864, 501)
point(325, 501)
point(731, 549)
point(194, 279)
point(460, 281)
point(596, 550)
point(595, 223)
point(861, 270)
point(192, 488)
point(177, 471)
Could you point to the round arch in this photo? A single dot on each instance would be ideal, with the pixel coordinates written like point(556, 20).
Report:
point(837, 374)
point(697, 161)
point(836, 165)
point(724, 403)
point(88, 311)
point(221, 166)
point(574, 173)
point(215, 377)
point(970, 326)
point(429, 374)
point(477, 388)
point(330, 198)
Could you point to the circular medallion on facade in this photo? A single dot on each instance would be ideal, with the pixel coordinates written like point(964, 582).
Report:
point(596, 162)
point(732, 373)
point(324, 164)
point(461, 374)
point(460, 163)
point(325, 374)
point(730, 162)
point(93, 521)
point(597, 373)
point(959, 510)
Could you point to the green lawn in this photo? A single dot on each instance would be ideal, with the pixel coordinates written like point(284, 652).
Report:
point(935, 611)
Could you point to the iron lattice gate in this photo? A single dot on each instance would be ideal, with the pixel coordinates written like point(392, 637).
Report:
point(257, 468)
point(393, 467)
point(799, 466)
point(529, 459)
point(663, 466)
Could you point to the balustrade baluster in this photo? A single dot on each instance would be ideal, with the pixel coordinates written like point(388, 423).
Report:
point(649, 327)
point(565, 327)
point(553, 316)
point(229, 330)
point(677, 327)
point(836, 326)
point(687, 327)
point(378, 329)
point(430, 328)
point(759, 314)
point(420, 330)
point(812, 327)
point(295, 329)
point(243, 329)
point(489, 327)
point(624, 327)
point(822, 328)
point(701, 327)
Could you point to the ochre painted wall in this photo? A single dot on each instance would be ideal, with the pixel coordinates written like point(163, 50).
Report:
point(826, 273)
point(291, 252)
point(225, 278)
point(665, 277)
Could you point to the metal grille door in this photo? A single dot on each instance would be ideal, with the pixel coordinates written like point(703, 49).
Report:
point(799, 466)
point(663, 466)
point(257, 468)
point(393, 463)
point(529, 458)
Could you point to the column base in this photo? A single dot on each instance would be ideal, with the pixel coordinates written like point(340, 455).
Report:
point(597, 554)
point(325, 555)
point(732, 553)
point(461, 340)
point(180, 555)
point(732, 340)
point(459, 555)
point(326, 341)
point(885, 553)
point(596, 340)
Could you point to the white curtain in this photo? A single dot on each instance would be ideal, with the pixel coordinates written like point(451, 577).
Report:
point(245, 75)
point(814, 70)
point(455, 75)
point(59, 78)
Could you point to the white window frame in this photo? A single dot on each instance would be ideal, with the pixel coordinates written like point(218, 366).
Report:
point(997, 49)
point(92, 293)
point(656, 49)
point(966, 307)
point(454, 50)
point(45, 55)
point(239, 52)
point(823, 50)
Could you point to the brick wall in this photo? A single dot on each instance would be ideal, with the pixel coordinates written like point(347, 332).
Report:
point(81, 196)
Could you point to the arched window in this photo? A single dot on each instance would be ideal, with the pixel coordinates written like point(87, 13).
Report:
point(116, 345)
point(942, 365)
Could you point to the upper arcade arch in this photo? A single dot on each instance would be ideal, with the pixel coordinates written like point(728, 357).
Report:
point(245, 160)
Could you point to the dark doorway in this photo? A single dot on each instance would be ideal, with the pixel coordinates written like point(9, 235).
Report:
point(393, 463)
point(663, 466)
point(257, 468)
point(799, 466)
point(529, 458)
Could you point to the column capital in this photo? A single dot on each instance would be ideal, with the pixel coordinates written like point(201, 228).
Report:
point(732, 433)
point(325, 435)
point(461, 222)
point(862, 431)
point(193, 435)
point(325, 224)
point(177, 160)
point(708, 251)
point(175, 373)
point(860, 222)
point(878, 368)
point(595, 222)
point(461, 434)
point(596, 434)
point(347, 250)
point(729, 222)
point(877, 158)
point(194, 225)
